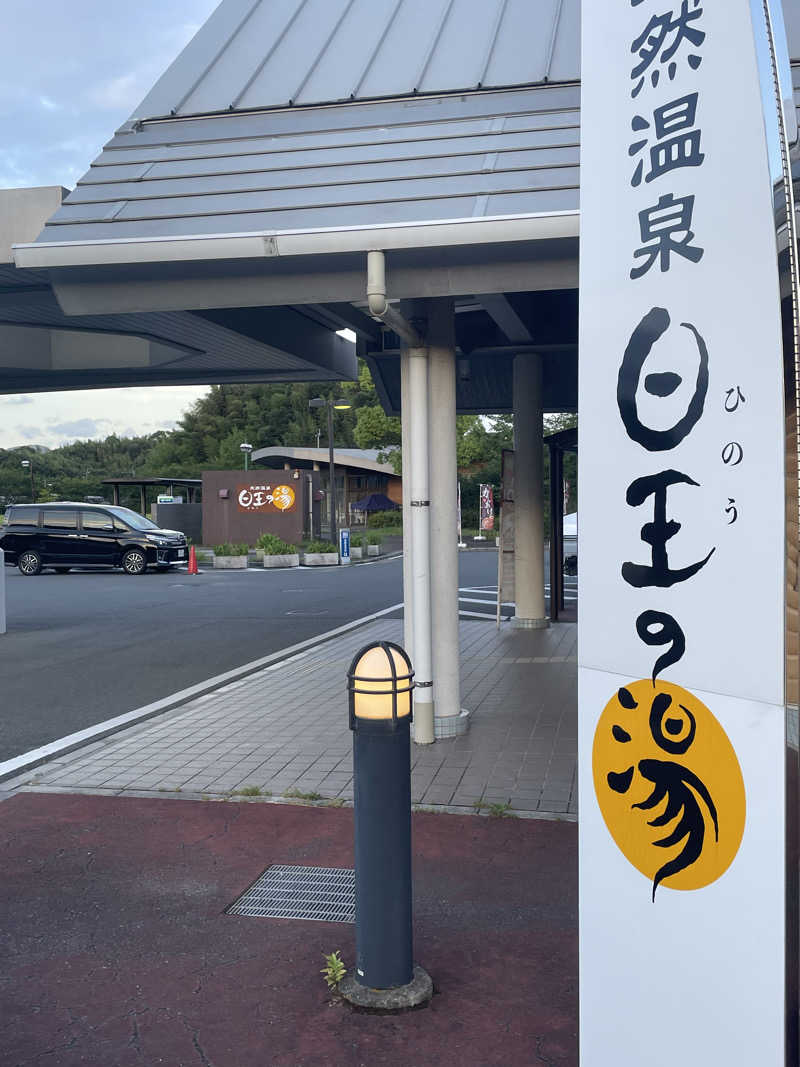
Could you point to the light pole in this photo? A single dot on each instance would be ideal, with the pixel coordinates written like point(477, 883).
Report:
point(331, 405)
point(245, 449)
point(27, 463)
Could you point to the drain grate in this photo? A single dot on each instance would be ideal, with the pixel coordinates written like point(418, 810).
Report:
point(324, 894)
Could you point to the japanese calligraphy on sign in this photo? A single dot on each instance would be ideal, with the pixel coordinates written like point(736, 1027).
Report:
point(264, 497)
point(681, 487)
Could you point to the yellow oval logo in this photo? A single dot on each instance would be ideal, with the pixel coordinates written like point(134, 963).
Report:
point(283, 497)
point(669, 785)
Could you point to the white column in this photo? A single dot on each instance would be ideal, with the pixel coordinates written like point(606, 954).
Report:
point(407, 450)
point(2, 592)
point(528, 494)
point(444, 510)
point(420, 541)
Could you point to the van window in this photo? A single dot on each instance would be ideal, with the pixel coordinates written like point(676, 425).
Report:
point(23, 517)
point(64, 520)
point(96, 520)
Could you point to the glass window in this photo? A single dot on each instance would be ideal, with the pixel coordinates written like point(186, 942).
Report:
point(64, 520)
point(131, 519)
point(23, 517)
point(97, 520)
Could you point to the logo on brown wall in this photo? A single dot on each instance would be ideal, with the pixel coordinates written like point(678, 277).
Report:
point(253, 498)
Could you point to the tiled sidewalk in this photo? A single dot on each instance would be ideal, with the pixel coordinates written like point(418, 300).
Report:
point(285, 729)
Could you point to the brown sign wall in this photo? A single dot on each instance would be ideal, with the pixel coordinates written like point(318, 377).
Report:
point(238, 506)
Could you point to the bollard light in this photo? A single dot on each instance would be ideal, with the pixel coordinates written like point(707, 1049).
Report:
point(380, 688)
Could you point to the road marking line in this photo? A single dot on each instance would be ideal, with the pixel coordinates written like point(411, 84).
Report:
point(28, 760)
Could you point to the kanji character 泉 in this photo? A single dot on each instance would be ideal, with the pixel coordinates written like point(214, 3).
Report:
point(661, 39)
point(671, 152)
point(658, 226)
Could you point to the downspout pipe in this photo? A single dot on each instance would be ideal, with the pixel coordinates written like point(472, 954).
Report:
point(379, 306)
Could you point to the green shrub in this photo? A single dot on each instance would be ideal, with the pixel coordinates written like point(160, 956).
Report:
point(374, 538)
point(274, 546)
point(386, 518)
point(320, 546)
point(231, 550)
point(357, 541)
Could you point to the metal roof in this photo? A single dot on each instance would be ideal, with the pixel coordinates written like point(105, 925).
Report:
point(477, 156)
point(358, 458)
point(274, 53)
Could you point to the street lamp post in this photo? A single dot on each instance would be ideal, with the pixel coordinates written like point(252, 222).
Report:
point(331, 405)
point(246, 449)
point(27, 463)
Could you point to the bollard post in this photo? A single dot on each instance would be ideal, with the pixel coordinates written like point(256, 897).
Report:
point(380, 683)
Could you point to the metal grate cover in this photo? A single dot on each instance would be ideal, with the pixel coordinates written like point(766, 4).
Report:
point(323, 894)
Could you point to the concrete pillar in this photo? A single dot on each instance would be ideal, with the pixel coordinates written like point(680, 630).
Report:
point(407, 449)
point(528, 495)
point(421, 545)
point(444, 513)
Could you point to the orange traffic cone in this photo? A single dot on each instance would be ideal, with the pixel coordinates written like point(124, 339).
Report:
point(192, 568)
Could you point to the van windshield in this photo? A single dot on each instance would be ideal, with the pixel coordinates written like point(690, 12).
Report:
point(132, 519)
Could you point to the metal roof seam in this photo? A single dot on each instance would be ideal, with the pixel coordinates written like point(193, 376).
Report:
point(304, 81)
point(362, 179)
point(559, 7)
point(443, 17)
point(409, 198)
point(501, 10)
point(343, 102)
point(89, 181)
point(223, 48)
point(275, 44)
point(375, 51)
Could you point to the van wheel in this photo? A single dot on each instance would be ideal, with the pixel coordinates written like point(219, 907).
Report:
point(134, 561)
point(30, 563)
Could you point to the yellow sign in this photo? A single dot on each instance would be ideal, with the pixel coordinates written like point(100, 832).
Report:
point(283, 497)
point(668, 784)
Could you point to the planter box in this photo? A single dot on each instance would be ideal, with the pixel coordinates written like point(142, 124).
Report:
point(355, 552)
point(373, 550)
point(230, 563)
point(259, 555)
point(289, 560)
point(320, 559)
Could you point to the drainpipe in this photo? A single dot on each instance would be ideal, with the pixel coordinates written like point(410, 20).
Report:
point(379, 306)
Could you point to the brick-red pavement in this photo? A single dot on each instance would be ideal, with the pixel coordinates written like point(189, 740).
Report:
point(116, 951)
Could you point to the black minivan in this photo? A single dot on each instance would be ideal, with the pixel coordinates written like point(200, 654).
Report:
point(67, 535)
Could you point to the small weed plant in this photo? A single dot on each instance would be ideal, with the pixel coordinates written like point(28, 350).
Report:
point(251, 791)
point(297, 794)
point(334, 970)
point(495, 811)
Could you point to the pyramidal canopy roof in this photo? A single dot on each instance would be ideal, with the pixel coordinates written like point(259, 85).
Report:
point(274, 53)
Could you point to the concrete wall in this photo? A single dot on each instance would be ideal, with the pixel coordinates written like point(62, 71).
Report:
point(188, 518)
point(226, 519)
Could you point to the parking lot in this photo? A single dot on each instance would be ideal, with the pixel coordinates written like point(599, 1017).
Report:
point(86, 646)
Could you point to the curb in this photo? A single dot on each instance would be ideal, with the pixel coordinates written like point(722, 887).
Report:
point(36, 756)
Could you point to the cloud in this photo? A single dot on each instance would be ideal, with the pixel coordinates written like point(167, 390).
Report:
point(30, 433)
point(21, 398)
point(79, 428)
point(123, 92)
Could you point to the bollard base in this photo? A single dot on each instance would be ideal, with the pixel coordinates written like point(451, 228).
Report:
point(418, 991)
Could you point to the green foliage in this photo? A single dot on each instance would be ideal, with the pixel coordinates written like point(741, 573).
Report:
point(334, 970)
point(496, 811)
point(314, 547)
point(385, 518)
point(374, 538)
point(231, 550)
point(251, 791)
point(274, 546)
point(357, 541)
point(297, 794)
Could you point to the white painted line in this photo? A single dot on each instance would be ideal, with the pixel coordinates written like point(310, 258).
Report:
point(488, 603)
point(63, 745)
point(482, 615)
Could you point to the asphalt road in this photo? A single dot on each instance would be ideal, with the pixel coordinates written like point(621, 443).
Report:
point(86, 646)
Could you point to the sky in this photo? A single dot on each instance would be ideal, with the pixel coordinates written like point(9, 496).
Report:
point(72, 73)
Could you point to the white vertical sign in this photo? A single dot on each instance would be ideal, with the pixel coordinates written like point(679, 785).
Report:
point(681, 641)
